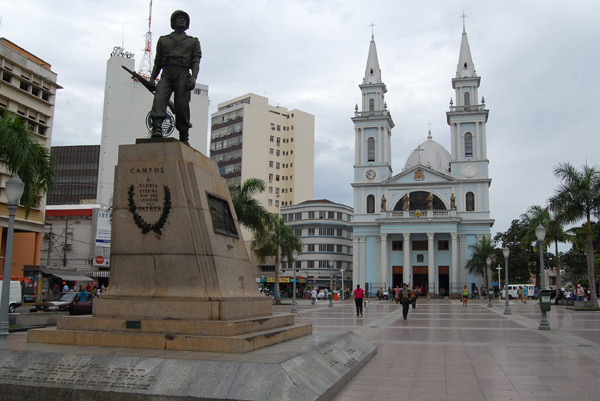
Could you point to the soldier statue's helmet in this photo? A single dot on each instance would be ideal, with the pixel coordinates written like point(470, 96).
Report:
point(175, 14)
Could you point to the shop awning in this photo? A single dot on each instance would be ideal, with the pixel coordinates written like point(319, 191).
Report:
point(67, 275)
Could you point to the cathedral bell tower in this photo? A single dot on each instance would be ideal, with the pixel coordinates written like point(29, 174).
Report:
point(372, 126)
point(467, 120)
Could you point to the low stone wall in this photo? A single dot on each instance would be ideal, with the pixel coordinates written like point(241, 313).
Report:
point(35, 318)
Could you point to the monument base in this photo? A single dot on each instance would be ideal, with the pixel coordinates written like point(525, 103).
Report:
point(232, 336)
point(306, 369)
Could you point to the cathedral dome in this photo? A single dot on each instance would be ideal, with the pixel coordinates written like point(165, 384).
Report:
point(430, 154)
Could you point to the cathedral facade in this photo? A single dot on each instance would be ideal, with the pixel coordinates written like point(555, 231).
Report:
point(417, 226)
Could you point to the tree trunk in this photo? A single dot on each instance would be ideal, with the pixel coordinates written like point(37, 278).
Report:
point(558, 276)
point(589, 249)
point(277, 267)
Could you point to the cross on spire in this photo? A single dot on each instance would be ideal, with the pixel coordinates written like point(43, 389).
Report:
point(372, 25)
point(463, 16)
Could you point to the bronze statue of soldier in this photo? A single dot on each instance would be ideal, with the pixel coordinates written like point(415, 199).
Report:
point(178, 57)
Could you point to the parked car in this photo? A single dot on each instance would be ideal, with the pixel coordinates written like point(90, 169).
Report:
point(321, 294)
point(66, 302)
point(14, 292)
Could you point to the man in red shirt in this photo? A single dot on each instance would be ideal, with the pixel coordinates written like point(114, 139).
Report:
point(359, 295)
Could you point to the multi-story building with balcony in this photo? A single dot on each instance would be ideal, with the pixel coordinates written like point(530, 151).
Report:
point(28, 89)
point(252, 139)
point(325, 231)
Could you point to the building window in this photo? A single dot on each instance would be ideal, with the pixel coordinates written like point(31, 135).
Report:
point(298, 232)
point(340, 232)
point(321, 215)
point(271, 151)
point(331, 215)
point(468, 144)
point(371, 149)
point(371, 104)
point(270, 163)
point(467, 98)
point(470, 201)
point(397, 245)
point(298, 216)
point(443, 245)
point(271, 138)
point(310, 264)
point(277, 165)
point(6, 77)
point(311, 231)
point(24, 86)
point(370, 204)
point(340, 216)
point(311, 215)
point(420, 258)
point(419, 245)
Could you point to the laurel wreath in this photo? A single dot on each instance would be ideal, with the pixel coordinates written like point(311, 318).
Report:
point(139, 220)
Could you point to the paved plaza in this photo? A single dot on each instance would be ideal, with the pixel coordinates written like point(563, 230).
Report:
point(444, 351)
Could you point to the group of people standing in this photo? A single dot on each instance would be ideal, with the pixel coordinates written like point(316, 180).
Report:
point(404, 296)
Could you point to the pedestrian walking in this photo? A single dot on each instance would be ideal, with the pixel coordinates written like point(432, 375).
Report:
point(465, 295)
point(313, 296)
point(405, 299)
point(358, 295)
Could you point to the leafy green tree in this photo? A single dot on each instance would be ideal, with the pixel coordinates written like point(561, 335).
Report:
point(521, 258)
point(578, 197)
point(480, 252)
point(555, 233)
point(24, 156)
point(249, 211)
point(278, 239)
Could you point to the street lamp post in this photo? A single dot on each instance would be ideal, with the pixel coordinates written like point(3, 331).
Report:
point(540, 233)
point(330, 263)
point(488, 261)
point(14, 190)
point(343, 290)
point(65, 248)
point(294, 303)
point(506, 252)
point(499, 280)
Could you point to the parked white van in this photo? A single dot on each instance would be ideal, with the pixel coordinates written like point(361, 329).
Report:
point(15, 295)
point(512, 290)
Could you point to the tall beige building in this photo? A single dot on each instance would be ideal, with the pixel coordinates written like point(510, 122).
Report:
point(27, 89)
point(252, 139)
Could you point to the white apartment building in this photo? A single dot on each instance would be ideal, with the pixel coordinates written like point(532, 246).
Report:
point(126, 117)
point(325, 231)
point(252, 139)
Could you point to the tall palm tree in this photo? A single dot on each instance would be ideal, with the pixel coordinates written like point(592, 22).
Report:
point(24, 156)
point(249, 211)
point(277, 240)
point(578, 197)
point(480, 252)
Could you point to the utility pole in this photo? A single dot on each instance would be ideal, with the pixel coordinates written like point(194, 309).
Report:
point(49, 245)
point(65, 244)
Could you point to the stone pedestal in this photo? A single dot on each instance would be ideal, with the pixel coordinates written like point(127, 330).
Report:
point(178, 262)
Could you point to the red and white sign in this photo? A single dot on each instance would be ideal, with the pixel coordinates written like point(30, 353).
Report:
point(99, 260)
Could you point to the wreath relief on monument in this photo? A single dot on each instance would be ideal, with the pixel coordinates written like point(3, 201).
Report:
point(149, 203)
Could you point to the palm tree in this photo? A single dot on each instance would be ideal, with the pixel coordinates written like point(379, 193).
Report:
point(249, 211)
point(537, 215)
point(278, 239)
point(576, 198)
point(24, 156)
point(480, 252)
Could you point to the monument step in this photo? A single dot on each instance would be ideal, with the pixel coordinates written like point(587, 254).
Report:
point(175, 326)
point(172, 341)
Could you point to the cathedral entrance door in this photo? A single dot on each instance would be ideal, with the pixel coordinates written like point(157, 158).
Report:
point(396, 276)
point(444, 278)
point(420, 278)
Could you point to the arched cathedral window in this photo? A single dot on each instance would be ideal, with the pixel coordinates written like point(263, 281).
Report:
point(370, 204)
point(371, 149)
point(467, 99)
point(371, 104)
point(468, 144)
point(470, 201)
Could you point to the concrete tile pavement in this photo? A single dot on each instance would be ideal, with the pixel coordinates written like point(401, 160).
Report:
point(445, 351)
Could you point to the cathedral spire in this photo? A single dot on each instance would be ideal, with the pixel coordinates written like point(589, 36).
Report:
point(372, 72)
point(465, 67)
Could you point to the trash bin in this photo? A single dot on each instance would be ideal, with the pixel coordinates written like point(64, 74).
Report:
point(545, 300)
point(335, 296)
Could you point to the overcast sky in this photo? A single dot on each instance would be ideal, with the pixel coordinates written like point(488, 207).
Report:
point(538, 60)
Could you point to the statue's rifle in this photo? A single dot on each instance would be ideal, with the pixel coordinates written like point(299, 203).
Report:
point(147, 84)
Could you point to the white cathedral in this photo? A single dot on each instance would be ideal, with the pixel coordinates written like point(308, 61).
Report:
point(416, 227)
